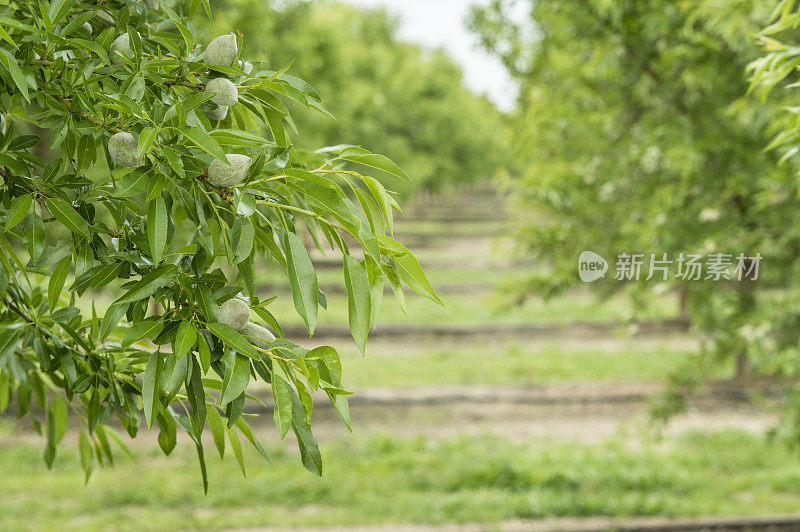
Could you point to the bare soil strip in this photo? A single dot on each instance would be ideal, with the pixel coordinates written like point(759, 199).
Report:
point(790, 523)
point(460, 288)
point(573, 329)
point(586, 413)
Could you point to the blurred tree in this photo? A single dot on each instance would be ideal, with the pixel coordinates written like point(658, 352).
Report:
point(385, 94)
point(634, 134)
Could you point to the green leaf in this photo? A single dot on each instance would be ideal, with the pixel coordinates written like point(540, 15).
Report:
point(233, 339)
point(383, 198)
point(57, 280)
point(152, 373)
point(309, 450)
point(204, 352)
point(59, 9)
point(155, 187)
point(185, 338)
point(132, 184)
point(282, 413)
point(237, 137)
point(188, 38)
point(195, 100)
point(87, 456)
point(6, 37)
point(146, 139)
point(204, 141)
point(34, 236)
point(196, 395)
point(381, 162)
point(17, 210)
point(342, 407)
point(244, 241)
point(148, 284)
point(236, 445)
point(8, 343)
point(174, 161)
point(10, 63)
point(143, 329)
point(217, 430)
point(358, 300)
point(157, 228)
point(110, 320)
point(248, 433)
point(55, 427)
point(68, 216)
point(168, 435)
point(237, 375)
point(302, 278)
point(269, 319)
point(408, 268)
point(92, 46)
point(177, 368)
point(245, 203)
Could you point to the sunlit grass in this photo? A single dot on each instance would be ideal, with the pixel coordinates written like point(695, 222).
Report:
point(385, 479)
point(485, 309)
point(509, 363)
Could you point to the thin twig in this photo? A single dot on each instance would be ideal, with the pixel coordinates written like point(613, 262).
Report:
point(88, 117)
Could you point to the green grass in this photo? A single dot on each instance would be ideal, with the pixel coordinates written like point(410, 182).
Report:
point(507, 364)
point(482, 309)
point(459, 309)
point(388, 480)
point(456, 274)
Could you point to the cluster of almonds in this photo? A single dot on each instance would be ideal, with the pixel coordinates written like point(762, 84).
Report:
point(124, 148)
point(124, 151)
point(235, 313)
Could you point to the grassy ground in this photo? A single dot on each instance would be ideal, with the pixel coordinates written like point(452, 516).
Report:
point(510, 364)
point(383, 479)
point(484, 309)
point(414, 479)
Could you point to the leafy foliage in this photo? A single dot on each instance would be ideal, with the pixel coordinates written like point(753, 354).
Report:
point(635, 134)
point(388, 95)
point(154, 233)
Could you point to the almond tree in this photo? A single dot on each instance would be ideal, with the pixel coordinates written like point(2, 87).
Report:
point(162, 198)
point(778, 67)
point(635, 134)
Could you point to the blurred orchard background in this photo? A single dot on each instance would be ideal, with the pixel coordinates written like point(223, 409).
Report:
point(534, 130)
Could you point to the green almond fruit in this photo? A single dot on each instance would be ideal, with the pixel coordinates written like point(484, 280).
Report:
point(221, 51)
point(222, 175)
point(234, 313)
point(219, 113)
point(121, 46)
point(257, 335)
point(124, 150)
point(106, 17)
point(226, 92)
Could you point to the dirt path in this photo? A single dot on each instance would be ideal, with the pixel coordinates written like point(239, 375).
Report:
point(554, 330)
point(585, 413)
point(789, 523)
